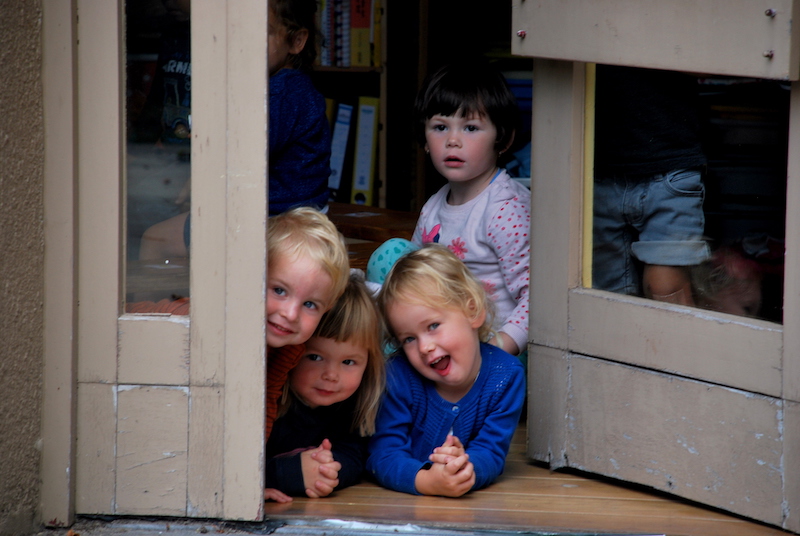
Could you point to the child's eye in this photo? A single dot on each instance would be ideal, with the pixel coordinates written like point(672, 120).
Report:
point(279, 291)
point(433, 326)
point(472, 128)
point(314, 357)
point(439, 128)
point(407, 340)
point(310, 305)
point(349, 362)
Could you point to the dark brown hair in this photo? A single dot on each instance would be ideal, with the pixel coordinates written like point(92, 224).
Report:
point(465, 88)
point(296, 15)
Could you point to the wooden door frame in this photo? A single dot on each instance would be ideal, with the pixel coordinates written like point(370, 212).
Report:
point(577, 332)
point(83, 91)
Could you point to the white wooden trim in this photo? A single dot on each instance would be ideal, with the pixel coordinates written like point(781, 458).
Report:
point(791, 276)
point(60, 306)
point(743, 368)
point(246, 261)
point(556, 168)
point(100, 165)
point(730, 37)
point(715, 347)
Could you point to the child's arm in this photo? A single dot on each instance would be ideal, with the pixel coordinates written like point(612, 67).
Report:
point(488, 449)
point(504, 341)
point(668, 284)
point(390, 459)
point(513, 257)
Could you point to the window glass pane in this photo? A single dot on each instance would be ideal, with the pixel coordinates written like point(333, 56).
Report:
point(690, 189)
point(159, 125)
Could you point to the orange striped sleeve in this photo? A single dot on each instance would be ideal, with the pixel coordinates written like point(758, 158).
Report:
point(279, 362)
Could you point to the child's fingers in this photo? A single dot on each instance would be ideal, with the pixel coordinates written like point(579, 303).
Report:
point(330, 470)
point(322, 488)
point(326, 444)
point(439, 458)
point(456, 464)
point(272, 494)
point(448, 441)
point(456, 442)
point(322, 456)
point(451, 451)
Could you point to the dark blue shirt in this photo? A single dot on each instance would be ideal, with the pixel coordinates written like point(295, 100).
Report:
point(299, 143)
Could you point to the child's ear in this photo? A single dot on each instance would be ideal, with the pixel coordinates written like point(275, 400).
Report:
point(510, 142)
point(479, 319)
point(299, 41)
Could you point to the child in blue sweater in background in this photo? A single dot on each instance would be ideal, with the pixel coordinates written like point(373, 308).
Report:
point(452, 402)
point(299, 136)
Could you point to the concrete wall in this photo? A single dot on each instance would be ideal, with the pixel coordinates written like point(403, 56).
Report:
point(21, 259)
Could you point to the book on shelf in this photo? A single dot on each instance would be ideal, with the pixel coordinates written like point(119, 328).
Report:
point(351, 31)
point(339, 146)
point(330, 112)
point(341, 33)
point(325, 25)
point(365, 151)
point(375, 33)
point(360, 24)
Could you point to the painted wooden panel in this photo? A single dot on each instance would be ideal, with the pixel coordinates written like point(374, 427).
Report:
point(791, 277)
point(154, 350)
point(59, 373)
point(558, 91)
point(152, 450)
point(206, 429)
point(712, 444)
point(548, 374)
point(95, 464)
point(719, 348)
point(99, 167)
point(791, 465)
point(209, 169)
point(732, 37)
point(245, 259)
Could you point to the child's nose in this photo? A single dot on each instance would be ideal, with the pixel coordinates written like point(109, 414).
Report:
point(426, 345)
point(291, 311)
point(453, 140)
point(330, 374)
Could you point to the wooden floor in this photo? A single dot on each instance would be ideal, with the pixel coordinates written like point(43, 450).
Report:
point(529, 498)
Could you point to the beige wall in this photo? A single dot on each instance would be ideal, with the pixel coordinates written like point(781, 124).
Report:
point(21, 258)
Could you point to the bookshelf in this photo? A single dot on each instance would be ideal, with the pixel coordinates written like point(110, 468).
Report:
point(351, 73)
point(416, 37)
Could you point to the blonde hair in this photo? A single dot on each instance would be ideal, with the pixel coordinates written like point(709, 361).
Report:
point(355, 319)
point(434, 277)
point(307, 231)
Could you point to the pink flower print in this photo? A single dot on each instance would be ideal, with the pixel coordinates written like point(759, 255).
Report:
point(433, 236)
point(458, 247)
point(490, 288)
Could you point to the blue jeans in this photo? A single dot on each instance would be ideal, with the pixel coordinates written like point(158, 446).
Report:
point(640, 220)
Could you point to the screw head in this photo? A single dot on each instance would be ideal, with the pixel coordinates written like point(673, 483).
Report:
point(770, 12)
point(521, 33)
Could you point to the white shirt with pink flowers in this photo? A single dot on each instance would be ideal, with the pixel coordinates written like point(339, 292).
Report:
point(490, 233)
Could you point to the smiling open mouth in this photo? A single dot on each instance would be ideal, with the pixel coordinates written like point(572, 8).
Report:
point(441, 363)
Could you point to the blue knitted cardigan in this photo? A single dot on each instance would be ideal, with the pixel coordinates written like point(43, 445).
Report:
point(414, 419)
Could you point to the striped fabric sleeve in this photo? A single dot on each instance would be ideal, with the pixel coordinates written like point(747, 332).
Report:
point(279, 362)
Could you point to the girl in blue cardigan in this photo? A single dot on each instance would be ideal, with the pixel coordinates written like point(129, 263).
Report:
point(452, 402)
